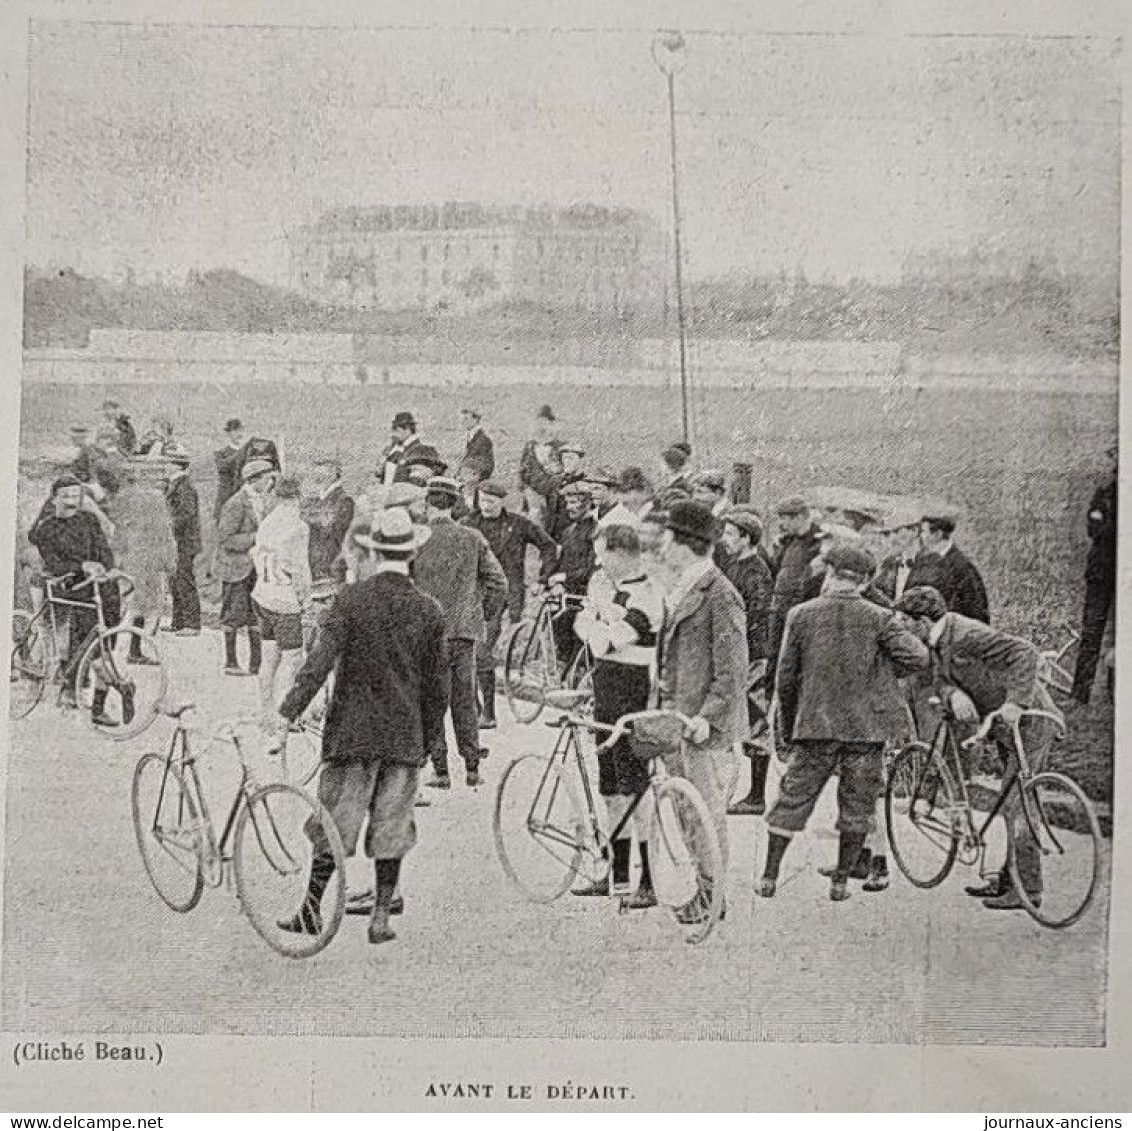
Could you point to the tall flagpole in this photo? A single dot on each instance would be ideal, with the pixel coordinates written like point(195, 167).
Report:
point(668, 54)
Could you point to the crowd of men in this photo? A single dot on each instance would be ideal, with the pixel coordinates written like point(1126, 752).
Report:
point(685, 602)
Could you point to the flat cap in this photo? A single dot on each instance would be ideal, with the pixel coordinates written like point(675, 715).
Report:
point(493, 487)
point(851, 561)
point(795, 504)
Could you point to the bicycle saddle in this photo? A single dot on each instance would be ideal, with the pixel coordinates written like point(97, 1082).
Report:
point(565, 698)
point(176, 710)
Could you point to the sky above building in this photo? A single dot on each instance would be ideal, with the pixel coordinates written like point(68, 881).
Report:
point(162, 149)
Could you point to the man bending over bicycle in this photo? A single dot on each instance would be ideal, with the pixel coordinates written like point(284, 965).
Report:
point(978, 670)
point(621, 632)
point(71, 542)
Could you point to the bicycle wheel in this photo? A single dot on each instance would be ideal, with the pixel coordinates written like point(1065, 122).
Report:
point(685, 859)
point(920, 811)
point(272, 852)
point(527, 671)
point(168, 830)
point(1057, 836)
point(539, 830)
point(120, 683)
point(28, 675)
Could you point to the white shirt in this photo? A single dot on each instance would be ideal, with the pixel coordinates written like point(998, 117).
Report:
point(280, 554)
point(620, 515)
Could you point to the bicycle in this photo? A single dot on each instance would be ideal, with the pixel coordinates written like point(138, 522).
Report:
point(931, 820)
point(1054, 670)
point(546, 837)
point(121, 659)
point(531, 666)
point(266, 845)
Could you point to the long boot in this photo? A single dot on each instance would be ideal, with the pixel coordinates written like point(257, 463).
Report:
point(255, 646)
point(386, 874)
point(644, 897)
point(754, 804)
point(848, 859)
point(487, 699)
point(308, 920)
point(775, 850)
point(231, 660)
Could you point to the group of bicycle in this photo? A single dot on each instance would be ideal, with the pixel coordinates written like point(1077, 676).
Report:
point(668, 641)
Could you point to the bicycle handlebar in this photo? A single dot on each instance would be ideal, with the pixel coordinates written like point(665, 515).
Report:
point(621, 728)
point(1030, 713)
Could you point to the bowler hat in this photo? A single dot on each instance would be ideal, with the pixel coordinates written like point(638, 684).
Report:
point(233, 425)
point(392, 532)
point(944, 522)
point(493, 487)
point(851, 561)
point(547, 413)
point(404, 420)
point(693, 520)
point(578, 487)
point(793, 505)
point(713, 478)
point(254, 468)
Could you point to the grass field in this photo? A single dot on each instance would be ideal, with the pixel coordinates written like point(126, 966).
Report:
point(1019, 467)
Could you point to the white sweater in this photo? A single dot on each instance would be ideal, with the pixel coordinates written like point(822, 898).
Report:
point(282, 564)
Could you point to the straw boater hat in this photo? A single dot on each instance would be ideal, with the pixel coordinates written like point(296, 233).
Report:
point(392, 532)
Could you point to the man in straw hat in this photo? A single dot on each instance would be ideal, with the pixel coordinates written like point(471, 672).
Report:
point(386, 642)
point(457, 567)
point(837, 673)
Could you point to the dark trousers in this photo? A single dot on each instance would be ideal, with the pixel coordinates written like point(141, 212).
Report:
point(462, 704)
point(860, 770)
point(1100, 589)
point(566, 642)
point(183, 587)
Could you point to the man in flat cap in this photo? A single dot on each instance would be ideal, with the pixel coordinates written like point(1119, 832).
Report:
point(572, 455)
point(943, 566)
point(1100, 582)
point(702, 660)
point(710, 488)
point(236, 535)
point(479, 451)
point(837, 673)
point(749, 573)
point(799, 543)
point(603, 485)
point(575, 566)
point(508, 535)
point(457, 567)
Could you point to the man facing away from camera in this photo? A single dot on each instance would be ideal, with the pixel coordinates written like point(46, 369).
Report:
point(836, 683)
point(386, 641)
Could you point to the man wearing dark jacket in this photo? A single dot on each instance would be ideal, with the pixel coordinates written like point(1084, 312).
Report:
point(386, 642)
point(746, 570)
point(836, 682)
point(230, 459)
point(184, 513)
point(456, 566)
point(406, 451)
point(944, 567)
point(576, 565)
point(508, 535)
point(479, 451)
point(329, 512)
point(794, 578)
point(1100, 584)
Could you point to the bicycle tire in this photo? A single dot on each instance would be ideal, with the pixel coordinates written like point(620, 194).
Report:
point(1058, 829)
point(685, 859)
point(936, 825)
point(108, 652)
point(557, 830)
point(258, 839)
point(28, 674)
point(527, 634)
point(182, 847)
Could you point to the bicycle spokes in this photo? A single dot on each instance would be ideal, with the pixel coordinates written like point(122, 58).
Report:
point(271, 825)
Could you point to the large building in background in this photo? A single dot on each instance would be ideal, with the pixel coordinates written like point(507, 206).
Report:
point(461, 256)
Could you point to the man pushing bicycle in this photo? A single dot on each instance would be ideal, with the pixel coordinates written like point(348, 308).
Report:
point(979, 671)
